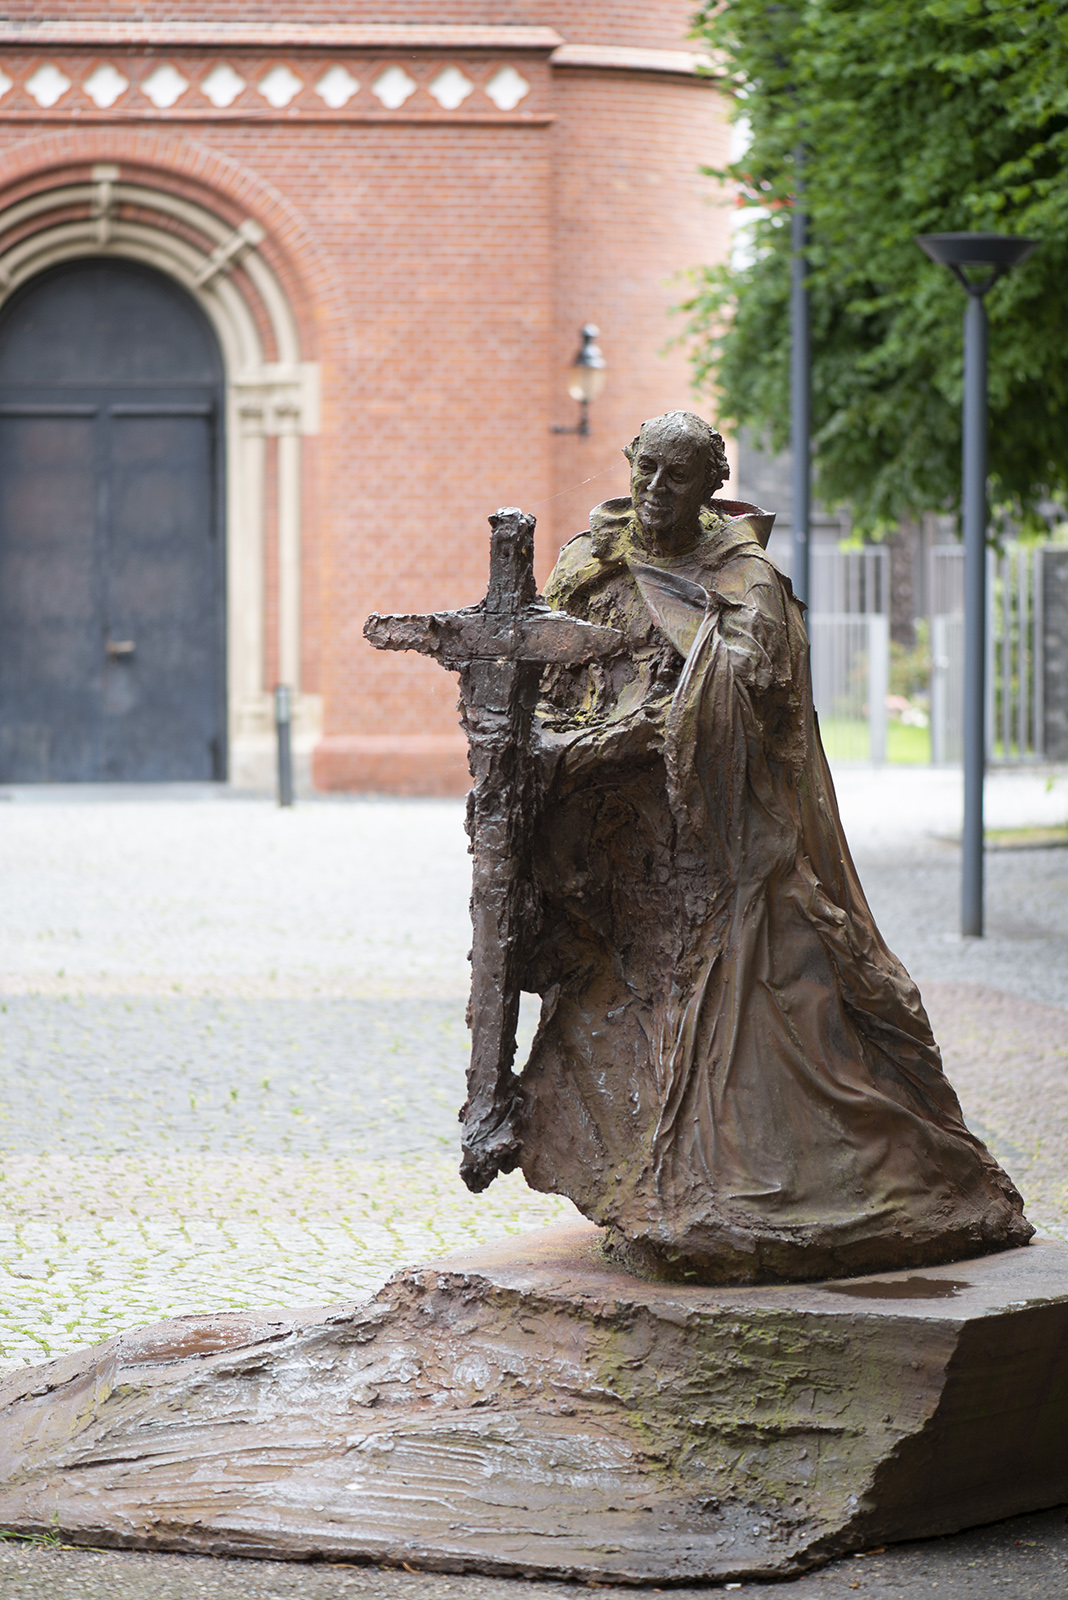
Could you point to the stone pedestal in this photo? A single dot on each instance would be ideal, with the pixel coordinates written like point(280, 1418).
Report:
point(529, 1408)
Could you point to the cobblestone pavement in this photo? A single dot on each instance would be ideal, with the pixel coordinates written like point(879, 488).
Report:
point(232, 1048)
point(232, 1041)
point(176, 1153)
point(901, 823)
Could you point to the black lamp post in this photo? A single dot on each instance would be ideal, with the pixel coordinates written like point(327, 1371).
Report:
point(800, 390)
point(585, 380)
point(987, 256)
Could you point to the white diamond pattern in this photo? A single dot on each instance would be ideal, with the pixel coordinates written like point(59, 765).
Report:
point(164, 86)
point(48, 85)
point(105, 85)
point(506, 88)
point(336, 87)
point(450, 88)
point(279, 86)
point(394, 87)
point(222, 86)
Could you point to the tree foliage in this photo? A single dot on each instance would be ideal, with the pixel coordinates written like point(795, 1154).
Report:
point(916, 116)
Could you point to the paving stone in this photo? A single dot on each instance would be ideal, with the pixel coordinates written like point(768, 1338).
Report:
point(157, 946)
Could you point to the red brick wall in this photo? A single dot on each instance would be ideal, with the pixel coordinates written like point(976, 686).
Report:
point(633, 215)
point(445, 241)
point(662, 24)
point(440, 272)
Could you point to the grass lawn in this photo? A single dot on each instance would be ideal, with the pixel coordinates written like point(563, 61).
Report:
point(909, 746)
point(846, 739)
point(1026, 838)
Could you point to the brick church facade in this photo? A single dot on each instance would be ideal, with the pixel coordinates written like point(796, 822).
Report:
point(392, 221)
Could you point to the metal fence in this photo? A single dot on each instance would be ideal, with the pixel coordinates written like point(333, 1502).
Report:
point(1014, 676)
point(849, 632)
point(947, 653)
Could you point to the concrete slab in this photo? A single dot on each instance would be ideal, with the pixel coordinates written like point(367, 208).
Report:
point(530, 1409)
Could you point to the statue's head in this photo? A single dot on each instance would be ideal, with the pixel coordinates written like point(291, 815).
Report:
point(677, 463)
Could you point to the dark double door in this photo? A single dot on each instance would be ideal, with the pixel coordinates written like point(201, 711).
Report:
point(111, 561)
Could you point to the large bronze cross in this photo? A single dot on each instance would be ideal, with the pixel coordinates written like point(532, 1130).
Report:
point(499, 647)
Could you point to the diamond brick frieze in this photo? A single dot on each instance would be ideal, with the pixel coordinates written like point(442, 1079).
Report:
point(222, 85)
point(48, 84)
point(451, 88)
point(164, 86)
point(394, 88)
point(337, 86)
point(189, 85)
point(279, 86)
point(105, 84)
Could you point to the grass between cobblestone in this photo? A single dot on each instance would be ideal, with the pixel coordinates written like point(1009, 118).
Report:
point(232, 1049)
point(173, 1154)
point(92, 1246)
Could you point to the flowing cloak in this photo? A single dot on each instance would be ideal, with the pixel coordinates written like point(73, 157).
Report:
point(732, 1071)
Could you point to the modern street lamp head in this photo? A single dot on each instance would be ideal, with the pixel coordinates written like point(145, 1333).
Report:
point(975, 249)
point(587, 374)
point(996, 252)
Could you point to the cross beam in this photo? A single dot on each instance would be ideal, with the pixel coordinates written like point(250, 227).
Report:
point(499, 647)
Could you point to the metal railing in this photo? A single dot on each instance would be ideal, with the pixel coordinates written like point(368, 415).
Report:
point(849, 633)
point(1014, 688)
point(1014, 669)
point(947, 654)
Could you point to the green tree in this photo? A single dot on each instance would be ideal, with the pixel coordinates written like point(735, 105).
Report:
point(916, 116)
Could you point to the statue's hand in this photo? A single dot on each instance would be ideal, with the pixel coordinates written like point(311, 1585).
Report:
point(621, 741)
point(615, 741)
point(548, 747)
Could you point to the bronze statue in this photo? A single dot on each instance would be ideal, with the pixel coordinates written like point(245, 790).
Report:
point(732, 1073)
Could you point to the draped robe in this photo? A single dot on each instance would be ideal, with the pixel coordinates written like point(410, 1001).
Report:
point(732, 1071)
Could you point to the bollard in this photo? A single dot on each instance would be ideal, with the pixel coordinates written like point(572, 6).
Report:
point(285, 749)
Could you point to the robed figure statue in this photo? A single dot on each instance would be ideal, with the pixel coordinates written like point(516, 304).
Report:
point(732, 1071)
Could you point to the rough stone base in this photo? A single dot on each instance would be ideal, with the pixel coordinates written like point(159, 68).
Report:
point(529, 1408)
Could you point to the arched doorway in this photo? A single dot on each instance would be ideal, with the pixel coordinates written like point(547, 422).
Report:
point(112, 599)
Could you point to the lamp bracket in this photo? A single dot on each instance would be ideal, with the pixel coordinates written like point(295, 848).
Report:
point(581, 427)
point(976, 290)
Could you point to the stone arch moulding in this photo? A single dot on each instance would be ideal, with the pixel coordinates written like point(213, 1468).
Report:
point(271, 390)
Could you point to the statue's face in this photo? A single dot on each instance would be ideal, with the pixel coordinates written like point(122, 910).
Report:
point(667, 485)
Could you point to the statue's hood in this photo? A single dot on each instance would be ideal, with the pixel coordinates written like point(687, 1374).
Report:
point(611, 521)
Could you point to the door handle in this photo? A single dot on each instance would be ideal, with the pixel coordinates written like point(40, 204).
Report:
point(118, 648)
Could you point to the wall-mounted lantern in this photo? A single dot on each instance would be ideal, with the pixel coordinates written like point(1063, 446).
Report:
point(585, 378)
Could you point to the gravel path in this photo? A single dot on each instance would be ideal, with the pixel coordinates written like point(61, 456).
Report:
point(232, 1048)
